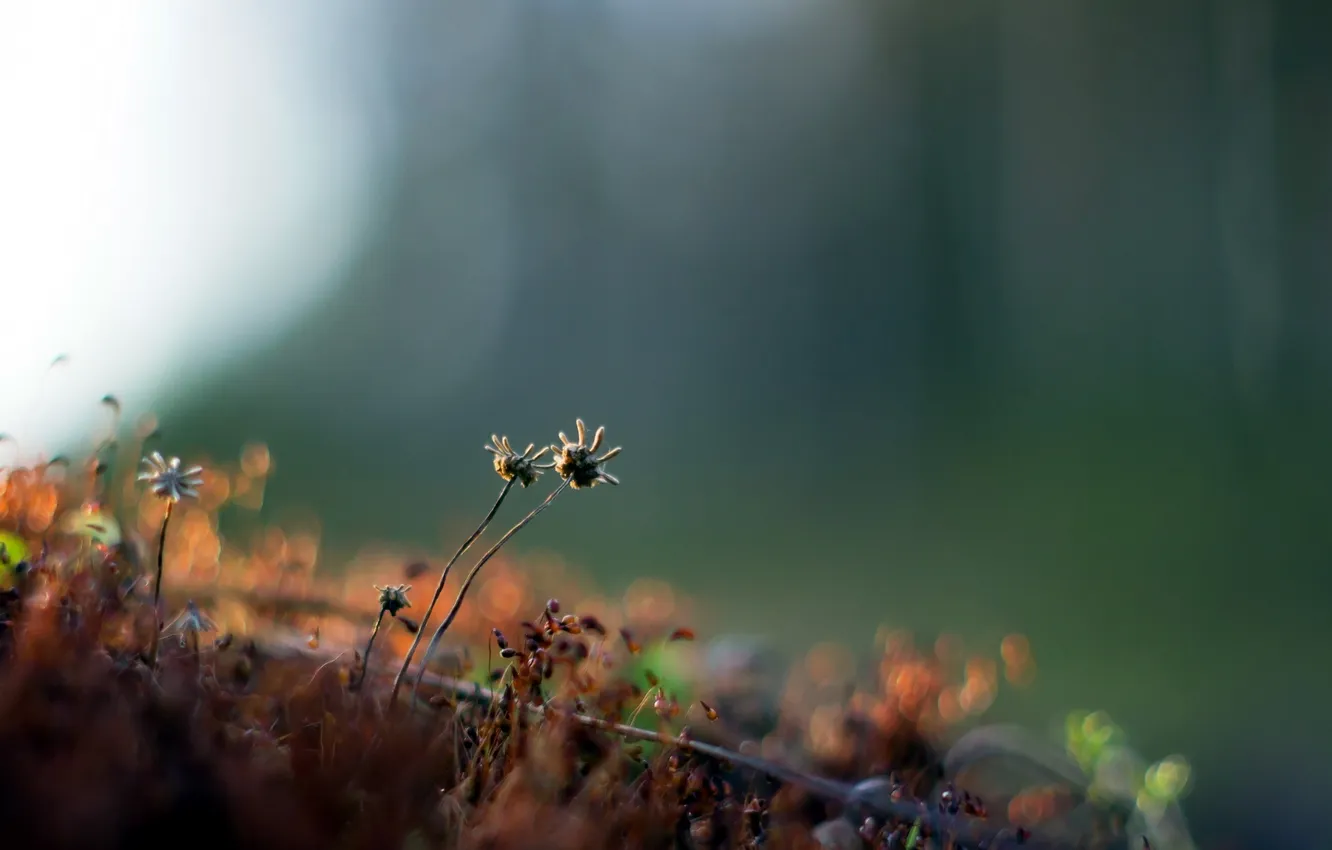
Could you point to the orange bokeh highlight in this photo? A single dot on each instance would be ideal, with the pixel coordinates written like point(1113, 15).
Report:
point(649, 601)
point(828, 663)
point(948, 648)
point(215, 490)
point(1036, 805)
point(42, 503)
point(950, 706)
point(255, 460)
point(1019, 667)
point(1015, 649)
point(502, 596)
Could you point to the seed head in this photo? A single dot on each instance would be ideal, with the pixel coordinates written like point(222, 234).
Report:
point(190, 621)
point(168, 480)
point(513, 465)
point(578, 461)
point(393, 598)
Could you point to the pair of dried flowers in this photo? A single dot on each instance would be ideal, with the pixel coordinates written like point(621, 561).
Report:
point(576, 462)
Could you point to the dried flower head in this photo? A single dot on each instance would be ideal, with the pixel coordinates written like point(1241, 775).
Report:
point(577, 461)
point(191, 621)
point(512, 465)
point(168, 480)
point(393, 598)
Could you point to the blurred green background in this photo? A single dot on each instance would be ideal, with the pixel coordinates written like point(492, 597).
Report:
point(973, 317)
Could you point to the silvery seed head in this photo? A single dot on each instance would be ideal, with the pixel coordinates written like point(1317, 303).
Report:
point(577, 461)
point(512, 465)
point(168, 480)
point(190, 621)
point(393, 598)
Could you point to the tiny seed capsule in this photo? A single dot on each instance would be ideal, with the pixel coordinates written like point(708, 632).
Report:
point(869, 829)
point(415, 570)
point(629, 642)
point(592, 624)
point(408, 623)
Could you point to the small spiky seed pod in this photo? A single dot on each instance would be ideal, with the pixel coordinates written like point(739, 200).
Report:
point(166, 478)
point(577, 461)
point(393, 598)
point(512, 465)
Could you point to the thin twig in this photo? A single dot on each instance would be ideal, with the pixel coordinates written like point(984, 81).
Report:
point(471, 576)
point(439, 588)
point(965, 832)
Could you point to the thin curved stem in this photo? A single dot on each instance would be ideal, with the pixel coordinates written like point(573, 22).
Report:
point(462, 591)
point(157, 586)
point(439, 588)
point(161, 552)
point(370, 645)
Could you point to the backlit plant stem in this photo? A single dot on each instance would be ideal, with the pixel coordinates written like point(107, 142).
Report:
point(157, 586)
point(467, 583)
point(369, 646)
point(439, 589)
point(161, 551)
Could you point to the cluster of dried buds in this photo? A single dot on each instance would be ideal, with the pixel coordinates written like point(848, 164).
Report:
point(899, 836)
point(666, 709)
point(549, 642)
point(903, 833)
point(710, 810)
point(953, 803)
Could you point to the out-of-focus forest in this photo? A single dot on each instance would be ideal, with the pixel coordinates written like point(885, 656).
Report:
point(968, 317)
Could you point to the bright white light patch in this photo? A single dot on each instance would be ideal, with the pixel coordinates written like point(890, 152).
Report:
point(177, 181)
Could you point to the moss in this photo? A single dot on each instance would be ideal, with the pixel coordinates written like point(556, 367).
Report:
point(113, 738)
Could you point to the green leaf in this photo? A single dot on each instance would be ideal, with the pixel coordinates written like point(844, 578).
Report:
point(913, 836)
